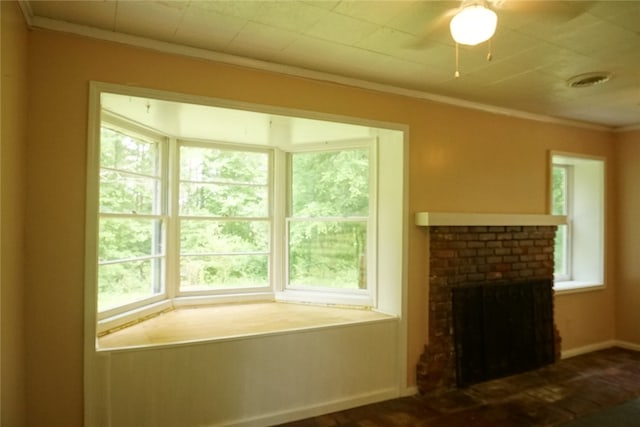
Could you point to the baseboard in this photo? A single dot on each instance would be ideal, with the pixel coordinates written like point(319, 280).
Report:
point(409, 391)
point(599, 346)
point(316, 410)
point(627, 345)
point(588, 349)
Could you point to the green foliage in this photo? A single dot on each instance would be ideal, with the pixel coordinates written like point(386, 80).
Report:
point(223, 254)
point(202, 164)
point(198, 199)
point(123, 238)
point(128, 153)
point(223, 272)
point(330, 184)
point(327, 254)
point(126, 282)
point(216, 182)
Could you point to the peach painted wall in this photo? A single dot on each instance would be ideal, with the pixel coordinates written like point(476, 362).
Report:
point(12, 200)
point(627, 266)
point(460, 160)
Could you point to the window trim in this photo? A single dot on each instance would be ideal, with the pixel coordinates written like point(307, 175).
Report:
point(587, 216)
point(392, 210)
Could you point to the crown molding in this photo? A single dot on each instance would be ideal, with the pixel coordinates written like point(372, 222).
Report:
point(25, 6)
point(627, 128)
point(176, 49)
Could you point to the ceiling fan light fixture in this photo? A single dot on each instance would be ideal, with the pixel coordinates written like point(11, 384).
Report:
point(473, 24)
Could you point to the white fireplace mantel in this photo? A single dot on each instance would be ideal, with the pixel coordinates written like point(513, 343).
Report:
point(427, 219)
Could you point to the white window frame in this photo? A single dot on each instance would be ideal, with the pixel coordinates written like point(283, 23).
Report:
point(585, 220)
point(360, 297)
point(134, 130)
point(566, 275)
point(214, 295)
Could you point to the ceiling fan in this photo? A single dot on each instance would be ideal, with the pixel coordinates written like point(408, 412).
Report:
point(475, 21)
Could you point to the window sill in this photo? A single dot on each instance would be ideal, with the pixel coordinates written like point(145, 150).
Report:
point(137, 315)
point(232, 321)
point(573, 286)
point(354, 300)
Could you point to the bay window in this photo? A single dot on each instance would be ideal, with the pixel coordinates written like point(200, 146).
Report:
point(185, 220)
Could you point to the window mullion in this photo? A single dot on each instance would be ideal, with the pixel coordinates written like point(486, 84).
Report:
point(569, 212)
point(172, 182)
point(371, 257)
point(279, 212)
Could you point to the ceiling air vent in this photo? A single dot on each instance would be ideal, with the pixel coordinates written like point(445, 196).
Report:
point(589, 79)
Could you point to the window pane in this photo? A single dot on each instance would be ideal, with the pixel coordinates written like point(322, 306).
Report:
point(560, 251)
point(330, 184)
point(199, 273)
point(126, 153)
point(122, 238)
point(223, 200)
point(125, 193)
point(223, 166)
point(130, 183)
point(220, 237)
point(327, 254)
point(128, 282)
point(559, 189)
point(227, 183)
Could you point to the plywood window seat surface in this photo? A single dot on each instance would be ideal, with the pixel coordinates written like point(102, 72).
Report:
point(188, 325)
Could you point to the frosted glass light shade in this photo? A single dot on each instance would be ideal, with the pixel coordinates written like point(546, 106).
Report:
point(473, 24)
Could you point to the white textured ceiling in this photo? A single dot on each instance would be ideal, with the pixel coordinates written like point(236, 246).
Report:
point(403, 44)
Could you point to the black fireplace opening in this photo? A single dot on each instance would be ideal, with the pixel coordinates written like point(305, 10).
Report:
point(501, 329)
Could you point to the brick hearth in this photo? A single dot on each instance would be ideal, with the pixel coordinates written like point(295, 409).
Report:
point(475, 254)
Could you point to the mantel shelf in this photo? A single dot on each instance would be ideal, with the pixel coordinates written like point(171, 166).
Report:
point(427, 219)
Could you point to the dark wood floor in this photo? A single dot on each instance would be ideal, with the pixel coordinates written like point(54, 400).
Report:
point(551, 396)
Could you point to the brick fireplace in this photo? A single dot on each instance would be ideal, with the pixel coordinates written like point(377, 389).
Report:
point(475, 255)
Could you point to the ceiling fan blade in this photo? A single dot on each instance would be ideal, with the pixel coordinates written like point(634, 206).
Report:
point(554, 9)
point(436, 27)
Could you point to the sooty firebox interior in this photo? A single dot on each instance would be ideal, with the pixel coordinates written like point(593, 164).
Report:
point(501, 329)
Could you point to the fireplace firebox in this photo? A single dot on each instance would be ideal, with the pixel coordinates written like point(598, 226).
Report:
point(502, 329)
